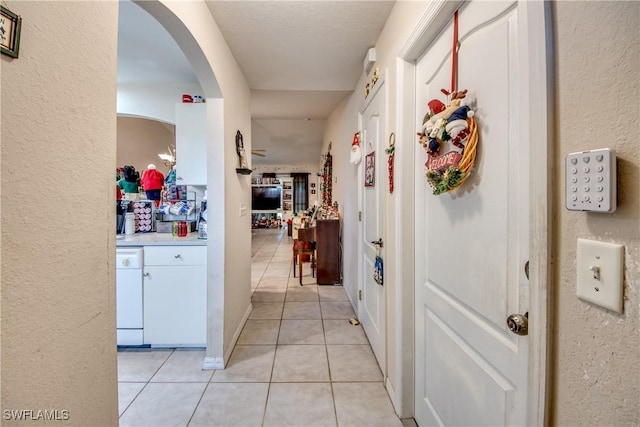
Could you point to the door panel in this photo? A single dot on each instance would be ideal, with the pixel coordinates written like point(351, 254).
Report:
point(472, 243)
point(372, 309)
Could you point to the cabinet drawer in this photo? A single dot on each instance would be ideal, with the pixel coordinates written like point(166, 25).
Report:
point(175, 255)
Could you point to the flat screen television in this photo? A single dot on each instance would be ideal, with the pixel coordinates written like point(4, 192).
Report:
point(266, 198)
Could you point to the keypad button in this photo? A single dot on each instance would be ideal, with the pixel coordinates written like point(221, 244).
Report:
point(574, 170)
point(599, 198)
point(574, 188)
point(586, 159)
point(599, 188)
point(599, 178)
point(599, 157)
point(585, 198)
point(586, 179)
point(574, 179)
point(586, 188)
point(574, 197)
point(586, 169)
point(599, 168)
point(574, 161)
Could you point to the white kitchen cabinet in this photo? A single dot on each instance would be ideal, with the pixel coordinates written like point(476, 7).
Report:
point(175, 296)
point(191, 144)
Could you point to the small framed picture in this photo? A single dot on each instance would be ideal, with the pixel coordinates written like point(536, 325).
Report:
point(313, 191)
point(10, 25)
point(313, 185)
point(370, 169)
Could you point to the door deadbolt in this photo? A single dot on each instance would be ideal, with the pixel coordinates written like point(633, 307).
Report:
point(518, 324)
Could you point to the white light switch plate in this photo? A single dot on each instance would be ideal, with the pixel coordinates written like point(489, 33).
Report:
point(600, 273)
point(590, 181)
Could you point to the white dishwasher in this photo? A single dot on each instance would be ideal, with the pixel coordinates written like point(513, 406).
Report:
point(129, 309)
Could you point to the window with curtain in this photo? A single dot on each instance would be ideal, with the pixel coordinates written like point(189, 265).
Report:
point(300, 192)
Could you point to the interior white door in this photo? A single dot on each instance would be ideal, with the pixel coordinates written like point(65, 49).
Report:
point(472, 244)
point(372, 304)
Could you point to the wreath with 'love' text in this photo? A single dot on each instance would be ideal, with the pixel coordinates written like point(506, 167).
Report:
point(451, 126)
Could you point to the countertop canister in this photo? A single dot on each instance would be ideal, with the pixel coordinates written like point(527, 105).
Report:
point(129, 223)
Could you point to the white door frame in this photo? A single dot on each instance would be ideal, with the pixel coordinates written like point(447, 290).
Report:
point(538, 30)
point(380, 85)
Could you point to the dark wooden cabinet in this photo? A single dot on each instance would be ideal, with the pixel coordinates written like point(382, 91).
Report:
point(328, 251)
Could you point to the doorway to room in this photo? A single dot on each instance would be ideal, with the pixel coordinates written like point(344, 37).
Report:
point(372, 305)
point(464, 292)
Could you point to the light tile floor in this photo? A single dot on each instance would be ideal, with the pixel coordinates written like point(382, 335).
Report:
point(298, 362)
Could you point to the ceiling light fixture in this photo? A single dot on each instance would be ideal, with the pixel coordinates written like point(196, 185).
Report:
point(169, 159)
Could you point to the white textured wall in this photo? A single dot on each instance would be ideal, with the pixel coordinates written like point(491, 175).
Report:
point(229, 267)
point(341, 126)
point(58, 244)
point(597, 353)
point(141, 140)
point(155, 101)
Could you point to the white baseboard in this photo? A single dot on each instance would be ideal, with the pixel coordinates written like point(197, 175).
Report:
point(220, 362)
point(210, 363)
point(236, 335)
point(392, 395)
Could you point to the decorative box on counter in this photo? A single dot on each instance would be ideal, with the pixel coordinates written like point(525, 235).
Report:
point(145, 215)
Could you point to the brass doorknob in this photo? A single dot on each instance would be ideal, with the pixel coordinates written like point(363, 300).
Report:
point(518, 324)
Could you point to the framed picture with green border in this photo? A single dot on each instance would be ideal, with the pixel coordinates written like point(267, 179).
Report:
point(10, 24)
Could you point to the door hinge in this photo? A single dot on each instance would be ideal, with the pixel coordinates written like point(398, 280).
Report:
point(359, 215)
point(359, 295)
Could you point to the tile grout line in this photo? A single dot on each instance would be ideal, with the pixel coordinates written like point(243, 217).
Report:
point(199, 401)
point(266, 401)
point(146, 383)
point(326, 349)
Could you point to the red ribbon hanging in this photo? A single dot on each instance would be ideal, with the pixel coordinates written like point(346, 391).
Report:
point(454, 53)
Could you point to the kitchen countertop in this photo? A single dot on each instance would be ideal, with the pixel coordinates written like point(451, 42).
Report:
point(159, 239)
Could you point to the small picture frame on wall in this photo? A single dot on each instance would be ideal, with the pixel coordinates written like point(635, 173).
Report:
point(10, 25)
point(313, 185)
point(313, 191)
point(370, 169)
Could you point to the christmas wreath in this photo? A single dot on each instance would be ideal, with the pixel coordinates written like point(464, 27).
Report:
point(452, 126)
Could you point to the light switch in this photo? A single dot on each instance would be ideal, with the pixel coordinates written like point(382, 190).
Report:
point(600, 273)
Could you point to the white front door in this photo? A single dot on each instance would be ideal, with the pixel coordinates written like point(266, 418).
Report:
point(472, 244)
point(372, 304)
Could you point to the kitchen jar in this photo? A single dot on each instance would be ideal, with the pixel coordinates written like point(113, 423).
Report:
point(129, 223)
point(182, 229)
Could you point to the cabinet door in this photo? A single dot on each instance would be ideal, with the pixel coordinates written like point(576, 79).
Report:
point(178, 256)
point(191, 144)
point(329, 257)
point(175, 306)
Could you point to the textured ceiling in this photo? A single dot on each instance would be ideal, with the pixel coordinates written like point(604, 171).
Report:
point(300, 45)
point(300, 58)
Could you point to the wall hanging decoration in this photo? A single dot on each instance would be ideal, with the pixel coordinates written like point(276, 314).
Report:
point(243, 168)
point(10, 25)
point(356, 153)
point(450, 129)
point(391, 150)
point(327, 177)
point(370, 169)
point(378, 270)
point(374, 79)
